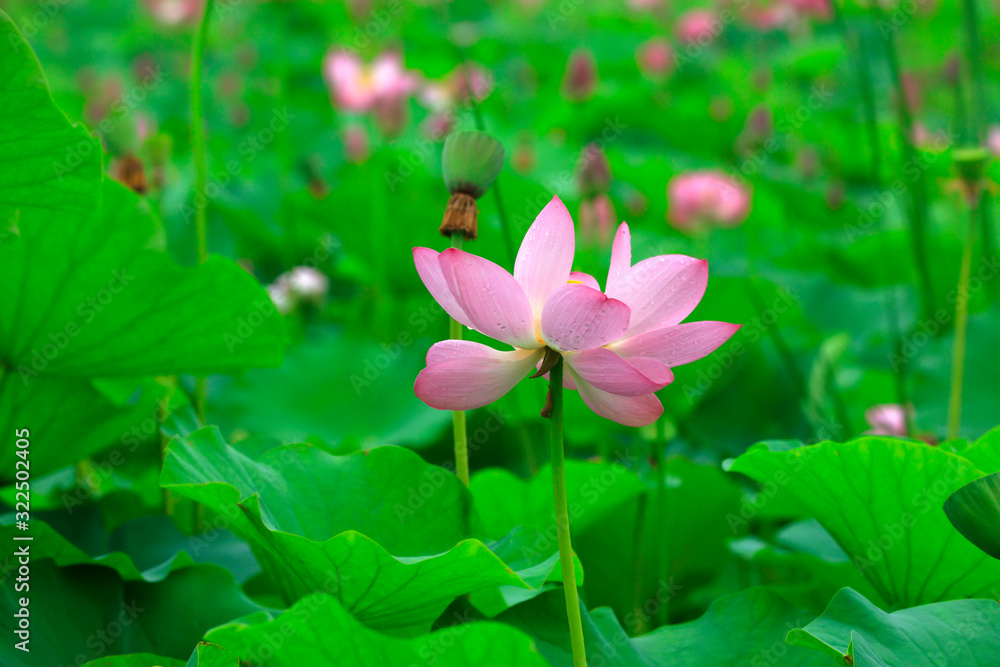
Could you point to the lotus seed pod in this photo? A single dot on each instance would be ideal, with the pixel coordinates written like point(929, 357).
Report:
point(471, 162)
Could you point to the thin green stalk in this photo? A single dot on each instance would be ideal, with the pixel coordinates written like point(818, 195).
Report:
point(562, 516)
point(199, 152)
point(458, 416)
point(961, 325)
point(918, 197)
point(663, 535)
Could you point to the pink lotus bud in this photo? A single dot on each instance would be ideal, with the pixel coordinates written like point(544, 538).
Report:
point(580, 79)
point(952, 70)
point(471, 81)
point(993, 140)
point(593, 173)
point(308, 284)
point(355, 140)
point(807, 163)
point(647, 5)
point(887, 419)
point(699, 26)
point(706, 198)
point(815, 9)
point(656, 58)
point(523, 159)
point(172, 13)
point(913, 91)
point(597, 218)
point(437, 126)
point(835, 195)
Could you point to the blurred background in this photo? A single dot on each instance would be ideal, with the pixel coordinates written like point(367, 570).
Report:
point(804, 149)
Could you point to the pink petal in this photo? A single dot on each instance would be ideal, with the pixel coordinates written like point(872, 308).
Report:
point(577, 317)
point(468, 382)
point(661, 291)
point(584, 279)
point(621, 255)
point(458, 349)
point(678, 345)
point(628, 410)
point(605, 370)
point(492, 299)
point(546, 255)
point(429, 269)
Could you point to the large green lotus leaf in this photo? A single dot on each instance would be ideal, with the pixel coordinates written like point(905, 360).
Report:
point(592, 490)
point(610, 507)
point(804, 564)
point(381, 530)
point(390, 494)
point(50, 167)
point(68, 419)
point(96, 298)
point(48, 543)
point(881, 500)
point(958, 632)
point(317, 630)
point(734, 632)
point(975, 511)
point(137, 660)
point(985, 452)
point(83, 612)
point(206, 655)
point(334, 386)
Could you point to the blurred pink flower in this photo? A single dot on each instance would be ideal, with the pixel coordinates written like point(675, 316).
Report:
point(355, 139)
point(887, 419)
point(656, 58)
point(175, 12)
point(709, 198)
point(815, 9)
point(358, 86)
point(618, 345)
point(698, 26)
point(454, 89)
point(580, 79)
point(993, 140)
point(597, 217)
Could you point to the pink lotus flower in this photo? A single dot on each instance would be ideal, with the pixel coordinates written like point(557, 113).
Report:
point(887, 419)
point(359, 86)
point(706, 198)
point(175, 12)
point(619, 345)
point(698, 26)
point(656, 58)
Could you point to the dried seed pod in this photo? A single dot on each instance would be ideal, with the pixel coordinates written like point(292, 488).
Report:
point(461, 216)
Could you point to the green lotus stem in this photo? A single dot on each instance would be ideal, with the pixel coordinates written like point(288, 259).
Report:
point(199, 151)
point(562, 516)
point(458, 416)
point(663, 539)
point(978, 115)
point(918, 215)
point(974, 55)
point(961, 326)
